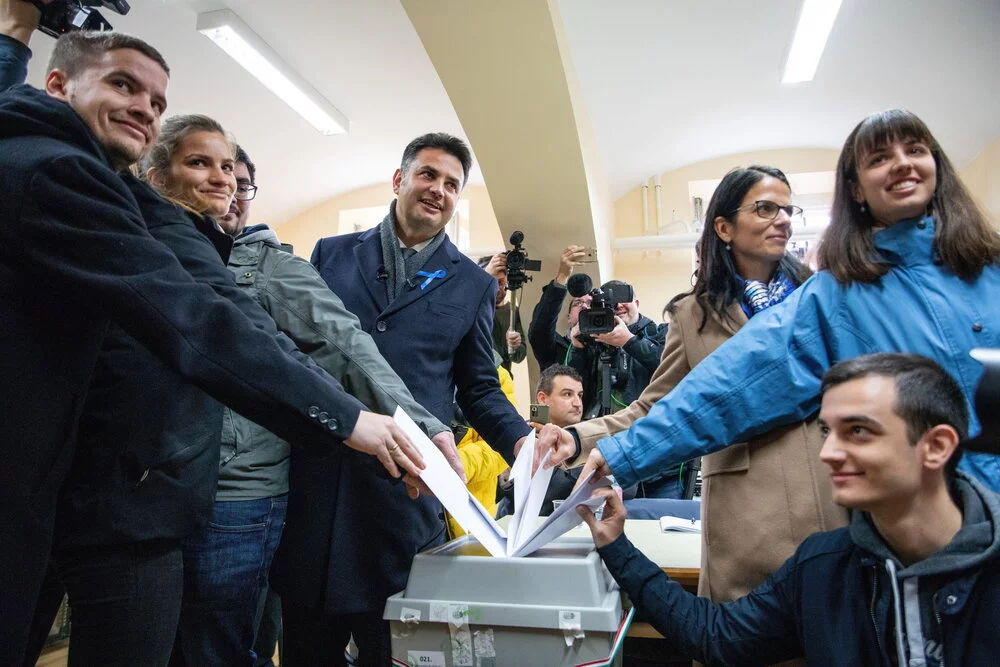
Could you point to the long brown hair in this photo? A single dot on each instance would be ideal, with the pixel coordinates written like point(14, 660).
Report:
point(963, 238)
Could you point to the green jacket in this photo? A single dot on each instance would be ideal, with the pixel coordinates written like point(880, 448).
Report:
point(253, 461)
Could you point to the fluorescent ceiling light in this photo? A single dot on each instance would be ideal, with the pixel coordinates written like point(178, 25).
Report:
point(234, 37)
point(815, 22)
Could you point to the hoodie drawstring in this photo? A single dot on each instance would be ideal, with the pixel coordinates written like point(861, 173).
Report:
point(897, 612)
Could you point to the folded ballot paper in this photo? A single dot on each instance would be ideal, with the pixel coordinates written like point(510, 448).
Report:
point(523, 538)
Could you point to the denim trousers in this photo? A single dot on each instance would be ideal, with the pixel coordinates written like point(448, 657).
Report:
point(124, 601)
point(226, 568)
point(670, 486)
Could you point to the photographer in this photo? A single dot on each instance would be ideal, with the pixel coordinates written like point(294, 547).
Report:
point(637, 344)
point(549, 346)
point(508, 344)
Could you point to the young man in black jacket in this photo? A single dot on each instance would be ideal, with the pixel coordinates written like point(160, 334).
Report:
point(75, 255)
point(915, 578)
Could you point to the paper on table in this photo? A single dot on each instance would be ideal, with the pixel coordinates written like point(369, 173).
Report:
point(449, 489)
point(679, 525)
point(565, 517)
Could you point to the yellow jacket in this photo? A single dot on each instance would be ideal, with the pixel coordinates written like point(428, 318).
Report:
point(482, 463)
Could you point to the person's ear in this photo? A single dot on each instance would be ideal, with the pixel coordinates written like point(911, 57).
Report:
point(57, 85)
point(154, 178)
point(540, 398)
point(856, 193)
point(397, 179)
point(723, 229)
point(938, 443)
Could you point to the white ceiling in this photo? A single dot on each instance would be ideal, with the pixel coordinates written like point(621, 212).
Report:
point(670, 82)
point(362, 55)
point(666, 82)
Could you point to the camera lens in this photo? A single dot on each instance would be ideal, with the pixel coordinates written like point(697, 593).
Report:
point(515, 260)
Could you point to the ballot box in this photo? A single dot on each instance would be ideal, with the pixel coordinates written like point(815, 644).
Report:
point(465, 608)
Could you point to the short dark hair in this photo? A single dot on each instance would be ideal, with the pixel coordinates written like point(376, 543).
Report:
point(548, 376)
point(442, 141)
point(926, 396)
point(76, 51)
point(241, 156)
point(484, 261)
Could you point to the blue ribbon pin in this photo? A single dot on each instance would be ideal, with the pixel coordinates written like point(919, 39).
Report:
point(440, 273)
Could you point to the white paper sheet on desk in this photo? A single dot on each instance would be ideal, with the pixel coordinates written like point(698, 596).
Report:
point(675, 524)
point(453, 494)
point(565, 517)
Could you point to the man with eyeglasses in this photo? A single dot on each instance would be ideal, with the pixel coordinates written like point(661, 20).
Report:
point(226, 564)
point(246, 189)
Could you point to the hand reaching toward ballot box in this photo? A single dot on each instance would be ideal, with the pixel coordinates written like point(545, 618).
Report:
point(445, 442)
point(611, 525)
point(562, 446)
point(559, 441)
point(379, 436)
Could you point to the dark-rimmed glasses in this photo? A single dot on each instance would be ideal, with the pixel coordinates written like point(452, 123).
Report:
point(768, 210)
point(245, 191)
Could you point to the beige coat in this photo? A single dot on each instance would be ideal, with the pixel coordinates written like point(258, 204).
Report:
point(761, 498)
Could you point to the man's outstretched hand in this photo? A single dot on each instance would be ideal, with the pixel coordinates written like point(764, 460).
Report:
point(556, 440)
point(597, 464)
point(611, 525)
point(445, 442)
point(381, 437)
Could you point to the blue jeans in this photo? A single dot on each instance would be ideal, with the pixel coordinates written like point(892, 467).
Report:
point(226, 567)
point(663, 487)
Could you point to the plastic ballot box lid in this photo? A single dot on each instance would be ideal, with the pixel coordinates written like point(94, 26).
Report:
point(531, 592)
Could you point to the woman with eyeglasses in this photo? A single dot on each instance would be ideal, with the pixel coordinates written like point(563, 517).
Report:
point(743, 271)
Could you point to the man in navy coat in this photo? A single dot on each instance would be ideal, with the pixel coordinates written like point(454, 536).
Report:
point(350, 538)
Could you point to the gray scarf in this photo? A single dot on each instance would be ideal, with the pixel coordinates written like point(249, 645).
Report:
point(401, 272)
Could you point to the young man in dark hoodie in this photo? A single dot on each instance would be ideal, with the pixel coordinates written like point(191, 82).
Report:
point(914, 580)
point(76, 255)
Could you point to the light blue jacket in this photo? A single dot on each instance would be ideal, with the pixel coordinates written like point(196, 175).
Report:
point(769, 373)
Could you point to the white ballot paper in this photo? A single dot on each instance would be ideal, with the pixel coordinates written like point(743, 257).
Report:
point(529, 490)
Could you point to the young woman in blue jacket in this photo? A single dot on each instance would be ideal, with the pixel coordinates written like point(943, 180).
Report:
point(911, 265)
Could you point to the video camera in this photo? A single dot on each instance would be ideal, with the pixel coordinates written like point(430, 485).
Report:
point(62, 16)
point(600, 317)
point(518, 263)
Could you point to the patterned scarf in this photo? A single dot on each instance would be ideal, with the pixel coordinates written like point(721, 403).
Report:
point(401, 267)
point(758, 296)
